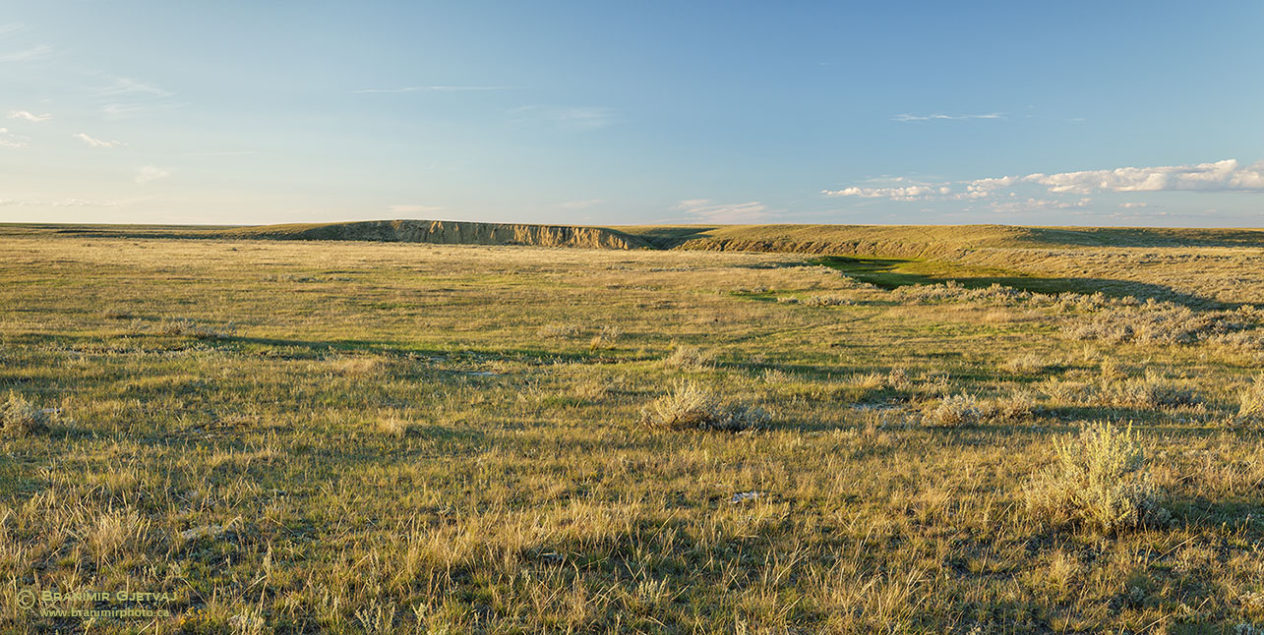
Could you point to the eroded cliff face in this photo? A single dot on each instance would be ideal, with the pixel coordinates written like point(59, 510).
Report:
point(827, 247)
point(456, 233)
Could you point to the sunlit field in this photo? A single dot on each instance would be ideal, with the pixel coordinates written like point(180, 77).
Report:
point(346, 437)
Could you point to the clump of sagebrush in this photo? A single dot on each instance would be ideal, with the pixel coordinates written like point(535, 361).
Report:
point(21, 417)
point(689, 407)
point(1026, 364)
point(558, 330)
point(1018, 406)
point(1251, 400)
point(827, 300)
point(689, 358)
point(1099, 482)
point(1157, 322)
point(1149, 392)
point(592, 389)
point(184, 327)
point(117, 313)
point(953, 411)
point(605, 338)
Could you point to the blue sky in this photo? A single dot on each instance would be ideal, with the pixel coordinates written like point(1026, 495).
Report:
point(1069, 113)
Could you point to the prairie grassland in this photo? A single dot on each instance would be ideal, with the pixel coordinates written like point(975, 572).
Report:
point(353, 437)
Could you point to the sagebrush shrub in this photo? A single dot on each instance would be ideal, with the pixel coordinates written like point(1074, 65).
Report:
point(1100, 482)
point(954, 411)
point(556, 329)
point(1026, 364)
point(827, 300)
point(689, 358)
point(1016, 407)
point(689, 407)
point(1251, 400)
point(1150, 392)
point(184, 327)
point(20, 417)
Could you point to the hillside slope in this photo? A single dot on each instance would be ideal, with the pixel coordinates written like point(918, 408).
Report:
point(448, 232)
point(927, 241)
point(898, 241)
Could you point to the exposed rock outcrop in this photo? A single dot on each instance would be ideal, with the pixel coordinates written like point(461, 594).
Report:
point(452, 233)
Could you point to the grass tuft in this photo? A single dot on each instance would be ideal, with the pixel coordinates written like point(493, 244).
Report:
point(392, 426)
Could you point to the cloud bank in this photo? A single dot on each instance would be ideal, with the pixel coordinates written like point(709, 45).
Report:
point(1220, 176)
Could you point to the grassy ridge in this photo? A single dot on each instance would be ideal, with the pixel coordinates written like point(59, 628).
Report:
point(909, 241)
point(929, 240)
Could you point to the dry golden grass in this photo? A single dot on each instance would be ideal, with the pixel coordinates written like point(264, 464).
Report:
point(1251, 400)
point(387, 442)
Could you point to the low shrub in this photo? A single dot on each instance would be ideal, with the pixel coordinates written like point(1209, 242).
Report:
point(1251, 400)
point(954, 411)
point(689, 358)
point(557, 330)
point(1145, 393)
point(1099, 482)
point(21, 417)
point(1017, 407)
point(689, 407)
point(184, 327)
point(1025, 364)
point(827, 300)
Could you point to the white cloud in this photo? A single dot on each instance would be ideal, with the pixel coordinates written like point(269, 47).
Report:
point(129, 86)
point(570, 117)
point(149, 174)
point(9, 140)
point(26, 115)
point(28, 55)
point(1220, 176)
point(711, 212)
point(429, 89)
point(942, 117)
point(96, 143)
point(414, 209)
point(1133, 205)
point(582, 204)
